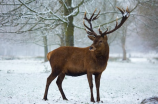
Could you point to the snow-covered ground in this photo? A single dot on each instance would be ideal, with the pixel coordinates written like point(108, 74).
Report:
point(23, 82)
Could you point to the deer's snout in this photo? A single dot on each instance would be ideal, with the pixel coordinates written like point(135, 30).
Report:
point(92, 48)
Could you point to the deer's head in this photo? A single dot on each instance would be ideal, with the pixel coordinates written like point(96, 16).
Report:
point(100, 41)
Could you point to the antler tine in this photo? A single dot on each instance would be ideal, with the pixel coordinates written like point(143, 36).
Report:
point(100, 32)
point(123, 10)
point(127, 9)
point(105, 32)
point(125, 14)
point(85, 17)
point(90, 32)
point(116, 22)
point(87, 26)
point(120, 10)
point(92, 15)
point(96, 17)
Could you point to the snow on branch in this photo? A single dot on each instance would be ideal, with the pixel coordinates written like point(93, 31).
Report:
point(27, 6)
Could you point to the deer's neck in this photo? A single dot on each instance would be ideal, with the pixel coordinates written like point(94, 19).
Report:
point(102, 54)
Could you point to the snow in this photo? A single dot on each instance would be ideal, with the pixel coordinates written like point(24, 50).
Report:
point(126, 14)
point(23, 82)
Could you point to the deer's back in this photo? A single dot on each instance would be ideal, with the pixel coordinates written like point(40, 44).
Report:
point(69, 60)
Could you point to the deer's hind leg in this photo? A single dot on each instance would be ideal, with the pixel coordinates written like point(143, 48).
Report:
point(59, 83)
point(51, 77)
point(49, 80)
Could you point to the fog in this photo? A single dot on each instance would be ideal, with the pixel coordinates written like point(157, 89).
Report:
point(134, 44)
point(18, 39)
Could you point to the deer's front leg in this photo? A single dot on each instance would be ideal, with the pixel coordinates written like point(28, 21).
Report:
point(97, 82)
point(89, 76)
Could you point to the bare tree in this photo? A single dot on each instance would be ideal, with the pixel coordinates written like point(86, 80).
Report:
point(39, 18)
point(47, 23)
point(147, 20)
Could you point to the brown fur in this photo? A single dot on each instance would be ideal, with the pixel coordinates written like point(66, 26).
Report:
point(48, 55)
point(74, 61)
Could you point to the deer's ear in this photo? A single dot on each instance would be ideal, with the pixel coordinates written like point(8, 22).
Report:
point(91, 37)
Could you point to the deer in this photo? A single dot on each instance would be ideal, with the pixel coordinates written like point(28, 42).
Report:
point(75, 61)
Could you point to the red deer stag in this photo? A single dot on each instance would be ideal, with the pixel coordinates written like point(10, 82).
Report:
point(74, 61)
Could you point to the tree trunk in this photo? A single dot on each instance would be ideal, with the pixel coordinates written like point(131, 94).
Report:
point(45, 48)
point(69, 27)
point(124, 49)
point(62, 38)
point(123, 43)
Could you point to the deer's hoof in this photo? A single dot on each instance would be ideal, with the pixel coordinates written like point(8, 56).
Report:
point(100, 101)
point(45, 99)
point(92, 100)
point(65, 99)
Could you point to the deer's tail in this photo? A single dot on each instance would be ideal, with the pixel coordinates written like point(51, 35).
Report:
point(48, 55)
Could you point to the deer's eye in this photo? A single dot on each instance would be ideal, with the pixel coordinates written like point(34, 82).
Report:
point(100, 41)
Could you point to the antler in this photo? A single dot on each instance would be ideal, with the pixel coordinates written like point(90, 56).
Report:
point(90, 32)
point(125, 14)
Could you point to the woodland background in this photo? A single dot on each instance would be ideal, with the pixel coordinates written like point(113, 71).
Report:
point(35, 27)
